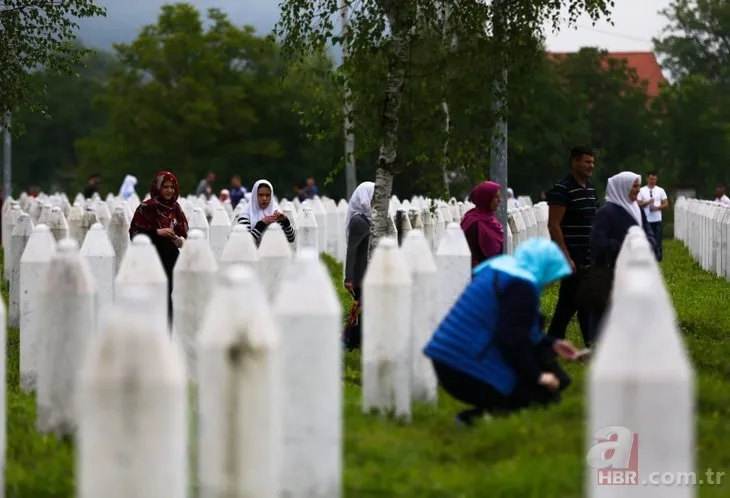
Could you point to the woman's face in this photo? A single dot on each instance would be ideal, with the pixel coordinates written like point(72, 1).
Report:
point(495, 201)
point(167, 190)
point(263, 194)
point(634, 190)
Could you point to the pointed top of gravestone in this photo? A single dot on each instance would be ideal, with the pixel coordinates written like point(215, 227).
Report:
point(387, 267)
point(240, 247)
point(220, 217)
point(196, 255)
point(417, 253)
point(69, 272)
point(141, 240)
point(15, 206)
point(196, 234)
point(97, 244)
point(198, 218)
point(274, 243)
point(631, 350)
point(68, 246)
point(306, 287)
point(141, 263)
point(243, 326)
point(306, 218)
point(129, 350)
point(24, 226)
point(41, 246)
point(453, 242)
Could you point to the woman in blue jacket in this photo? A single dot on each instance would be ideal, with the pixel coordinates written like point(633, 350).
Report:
point(489, 351)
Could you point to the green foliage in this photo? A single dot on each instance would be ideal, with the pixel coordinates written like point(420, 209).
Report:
point(539, 452)
point(695, 131)
point(38, 35)
point(191, 98)
point(45, 155)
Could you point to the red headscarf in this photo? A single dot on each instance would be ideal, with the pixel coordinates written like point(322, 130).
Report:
point(158, 212)
point(491, 232)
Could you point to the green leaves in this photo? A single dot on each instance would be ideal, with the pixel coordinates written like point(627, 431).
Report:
point(38, 34)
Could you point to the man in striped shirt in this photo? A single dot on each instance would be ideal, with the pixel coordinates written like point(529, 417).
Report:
point(573, 205)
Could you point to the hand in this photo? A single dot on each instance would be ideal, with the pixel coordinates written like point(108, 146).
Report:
point(348, 286)
point(550, 381)
point(166, 232)
point(270, 219)
point(564, 349)
point(178, 241)
point(572, 263)
point(279, 216)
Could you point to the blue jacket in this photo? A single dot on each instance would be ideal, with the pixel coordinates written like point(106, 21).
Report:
point(466, 339)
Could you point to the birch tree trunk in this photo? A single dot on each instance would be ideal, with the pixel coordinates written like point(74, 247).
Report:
point(395, 82)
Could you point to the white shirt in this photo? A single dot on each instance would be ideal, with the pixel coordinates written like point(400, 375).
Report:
point(724, 199)
point(658, 195)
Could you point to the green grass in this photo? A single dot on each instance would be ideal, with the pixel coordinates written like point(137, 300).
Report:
point(537, 453)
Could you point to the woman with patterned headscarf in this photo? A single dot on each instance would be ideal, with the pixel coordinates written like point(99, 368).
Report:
point(162, 219)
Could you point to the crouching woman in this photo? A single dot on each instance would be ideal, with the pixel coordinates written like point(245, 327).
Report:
point(489, 352)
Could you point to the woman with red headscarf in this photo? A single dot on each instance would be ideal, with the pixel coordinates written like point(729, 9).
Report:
point(162, 219)
point(484, 233)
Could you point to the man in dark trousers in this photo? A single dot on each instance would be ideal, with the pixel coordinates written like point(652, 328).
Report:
point(573, 205)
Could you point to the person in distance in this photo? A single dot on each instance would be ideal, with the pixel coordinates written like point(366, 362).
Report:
point(263, 210)
point(489, 351)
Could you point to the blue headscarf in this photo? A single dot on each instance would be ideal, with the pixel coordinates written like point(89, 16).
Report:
point(537, 260)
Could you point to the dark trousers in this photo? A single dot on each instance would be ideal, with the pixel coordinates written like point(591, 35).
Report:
point(567, 307)
point(597, 315)
point(658, 230)
point(353, 335)
point(486, 399)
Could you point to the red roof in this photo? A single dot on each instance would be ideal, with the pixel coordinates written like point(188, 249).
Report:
point(644, 63)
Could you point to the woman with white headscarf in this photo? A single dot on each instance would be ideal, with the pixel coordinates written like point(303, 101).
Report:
point(127, 190)
point(610, 226)
point(357, 228)
point(263, 210)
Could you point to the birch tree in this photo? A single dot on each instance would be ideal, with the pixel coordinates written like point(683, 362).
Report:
point(390, 27)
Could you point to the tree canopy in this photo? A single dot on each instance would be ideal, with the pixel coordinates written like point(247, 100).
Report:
point(37, 35)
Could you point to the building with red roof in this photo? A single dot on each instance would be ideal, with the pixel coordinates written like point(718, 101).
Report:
point(644, 63)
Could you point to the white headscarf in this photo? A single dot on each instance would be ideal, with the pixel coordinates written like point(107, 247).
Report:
point(128, 185)
point(256, 214)
point(617, 192)
point(360, 202)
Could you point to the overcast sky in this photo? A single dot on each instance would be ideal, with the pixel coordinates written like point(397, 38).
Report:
point(635, 23)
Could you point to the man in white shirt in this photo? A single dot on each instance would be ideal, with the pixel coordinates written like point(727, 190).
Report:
point(653, 199)
point(720, 195)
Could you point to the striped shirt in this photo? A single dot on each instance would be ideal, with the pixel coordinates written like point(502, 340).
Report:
point(580, 204)
point(258, 230)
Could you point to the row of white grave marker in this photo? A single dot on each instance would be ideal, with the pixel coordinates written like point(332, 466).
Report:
point(265, 355)
point(704, 228)
point(94, 292)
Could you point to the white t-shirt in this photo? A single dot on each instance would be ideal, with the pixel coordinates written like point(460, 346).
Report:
point(724, 199)
point(658, 195)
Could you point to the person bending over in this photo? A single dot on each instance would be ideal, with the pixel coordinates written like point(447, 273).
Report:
point(489, 351)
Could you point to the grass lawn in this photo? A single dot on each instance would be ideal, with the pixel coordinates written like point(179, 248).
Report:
point(539, 453)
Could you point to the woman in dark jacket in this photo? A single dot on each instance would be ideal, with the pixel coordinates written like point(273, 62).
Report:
point(489, 351)
point(483, 232)
point(357, 228)
point(162, 219)
point(610, 226)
